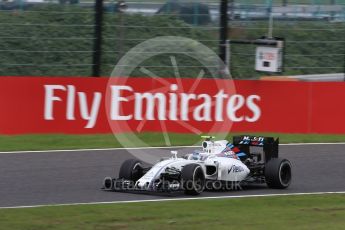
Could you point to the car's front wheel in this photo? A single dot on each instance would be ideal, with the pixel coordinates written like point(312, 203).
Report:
point(131, 170)
point(193, 178)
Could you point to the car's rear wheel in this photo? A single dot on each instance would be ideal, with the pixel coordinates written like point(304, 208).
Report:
point(193, 178)
point(278, 173)
point(131, 170)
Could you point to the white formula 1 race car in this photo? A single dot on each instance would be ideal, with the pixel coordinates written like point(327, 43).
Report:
point(218, 165)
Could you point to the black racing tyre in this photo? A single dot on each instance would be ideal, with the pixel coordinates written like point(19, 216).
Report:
point(278, 173)
point(193, 178)
point(131, 170)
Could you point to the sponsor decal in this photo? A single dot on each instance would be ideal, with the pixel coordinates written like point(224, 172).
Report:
point(258, 141)
point(32, 105)
point(235, 169)
point(158, 106)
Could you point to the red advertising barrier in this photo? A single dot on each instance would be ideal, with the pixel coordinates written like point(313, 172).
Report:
point(99, 105)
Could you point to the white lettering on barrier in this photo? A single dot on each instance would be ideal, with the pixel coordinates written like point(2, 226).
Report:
point(49, 99)
point(185, 98)
point(252, 106)
point(145, 104)
point(89, 115)
point(173, 103)
point(203, 112)
point(70, 102)
point(115, 102)
point(235, 103)
point(220, 96)
point(150, 106)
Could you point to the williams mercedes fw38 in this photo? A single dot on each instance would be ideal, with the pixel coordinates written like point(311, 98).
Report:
point(217, 165)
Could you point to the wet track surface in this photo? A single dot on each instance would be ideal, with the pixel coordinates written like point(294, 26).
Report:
point(76, 177)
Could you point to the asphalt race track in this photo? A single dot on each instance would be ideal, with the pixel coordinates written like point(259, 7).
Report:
point(40, 178)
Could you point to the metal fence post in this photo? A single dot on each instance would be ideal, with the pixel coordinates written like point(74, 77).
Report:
point(196, 13)
point(223, 29)
point(97, 46)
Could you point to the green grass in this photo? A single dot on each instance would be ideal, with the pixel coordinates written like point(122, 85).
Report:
point(288, 212)
point(48, 142)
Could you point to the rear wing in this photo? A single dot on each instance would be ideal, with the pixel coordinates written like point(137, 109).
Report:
point(269, 144)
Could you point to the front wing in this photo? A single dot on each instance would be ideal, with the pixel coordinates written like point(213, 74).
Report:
point(121, 185)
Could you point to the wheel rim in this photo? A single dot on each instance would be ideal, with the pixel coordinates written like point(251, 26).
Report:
point(198, 179)
point(136, 171)
point(285, 173)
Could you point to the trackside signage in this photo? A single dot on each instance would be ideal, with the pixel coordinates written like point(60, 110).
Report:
point(90, 105)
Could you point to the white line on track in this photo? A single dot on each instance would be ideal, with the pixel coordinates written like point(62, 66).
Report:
point(176, 199)
point(138, 148)
point(101, 149)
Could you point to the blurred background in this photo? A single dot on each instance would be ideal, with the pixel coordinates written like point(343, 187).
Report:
point(62, 37)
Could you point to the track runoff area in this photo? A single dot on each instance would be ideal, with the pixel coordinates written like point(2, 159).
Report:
point(74, 177)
